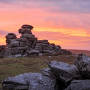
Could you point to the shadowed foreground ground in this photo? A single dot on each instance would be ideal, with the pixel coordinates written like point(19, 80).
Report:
point(15, 66)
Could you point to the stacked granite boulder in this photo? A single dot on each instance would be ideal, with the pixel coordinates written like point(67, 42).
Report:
point(26, 33)
point(59, 76)
point(28, 44)
point(19, 46)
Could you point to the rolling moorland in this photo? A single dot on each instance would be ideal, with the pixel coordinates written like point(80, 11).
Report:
point(87, 52)
point(14, 66)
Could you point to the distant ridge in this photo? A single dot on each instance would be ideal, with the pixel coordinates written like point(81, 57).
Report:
point(74, 51)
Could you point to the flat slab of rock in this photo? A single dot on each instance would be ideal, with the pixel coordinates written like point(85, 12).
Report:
point(34, 81)
point(79, 85)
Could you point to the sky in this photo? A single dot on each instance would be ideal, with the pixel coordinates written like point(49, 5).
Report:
point(63, 22)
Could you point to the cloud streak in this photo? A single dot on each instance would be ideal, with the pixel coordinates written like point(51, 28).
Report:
point(81, 6)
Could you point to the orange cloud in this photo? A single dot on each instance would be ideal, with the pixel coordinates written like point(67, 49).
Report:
point(69, 31)
point(2, 40)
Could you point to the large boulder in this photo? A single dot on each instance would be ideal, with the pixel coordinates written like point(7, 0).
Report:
point(64, 72)
point(30, 40)
point(79, 85)
point(83, 65)
point(9, 37)
point(29, 81)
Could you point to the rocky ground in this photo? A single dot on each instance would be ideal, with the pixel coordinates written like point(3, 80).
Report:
point(56, 75)
point(15, 66)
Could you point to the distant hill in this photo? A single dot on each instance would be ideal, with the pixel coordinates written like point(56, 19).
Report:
point(87, 52)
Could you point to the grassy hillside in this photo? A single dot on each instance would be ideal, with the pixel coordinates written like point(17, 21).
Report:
point(15, 66)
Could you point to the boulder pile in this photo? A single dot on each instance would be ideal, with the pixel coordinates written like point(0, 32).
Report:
point(59, 76)
point(28, 45)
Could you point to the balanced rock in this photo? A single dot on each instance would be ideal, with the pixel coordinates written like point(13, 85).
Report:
point(26, 29)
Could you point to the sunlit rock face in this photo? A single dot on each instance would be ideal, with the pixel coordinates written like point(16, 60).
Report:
point(28, 44)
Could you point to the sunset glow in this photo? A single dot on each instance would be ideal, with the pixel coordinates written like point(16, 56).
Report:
point(63, 22)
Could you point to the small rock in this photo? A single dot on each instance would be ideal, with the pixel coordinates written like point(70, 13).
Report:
point(79, 85)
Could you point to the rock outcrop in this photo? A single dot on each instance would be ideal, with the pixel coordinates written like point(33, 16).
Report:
point(28, 44)
point(59, 76)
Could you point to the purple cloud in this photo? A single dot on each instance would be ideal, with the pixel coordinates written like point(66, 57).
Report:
point(82, 6)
